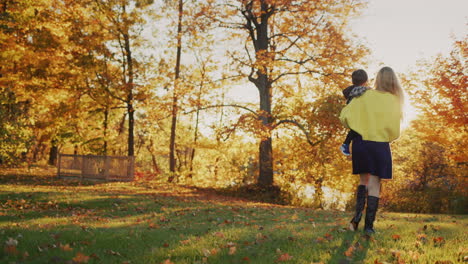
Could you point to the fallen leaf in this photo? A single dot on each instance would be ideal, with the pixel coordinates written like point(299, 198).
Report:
point(167, 261)
point(284, 257)
point(396, 237)
point(152, 226)
point(219, 234)
point(10, 250)
point(115, 253)
point(438, 241)
point(349, 252)
point(422, 237)
point(320, 240)
point(94, 256)
point(81, 258)
point(232, 250)
point(214, 251)
point(66, 247)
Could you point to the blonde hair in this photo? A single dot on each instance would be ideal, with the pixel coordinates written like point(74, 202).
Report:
point(387, 81)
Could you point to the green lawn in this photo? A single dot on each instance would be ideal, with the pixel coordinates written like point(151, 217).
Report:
point(46, 220)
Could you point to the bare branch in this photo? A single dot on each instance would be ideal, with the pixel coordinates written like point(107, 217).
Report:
point(248, 25)
point(297, 73)
point(106, 87)
point(302, 128)
point(225, 105)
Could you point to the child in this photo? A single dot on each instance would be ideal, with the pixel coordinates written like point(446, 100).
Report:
point(359, 78)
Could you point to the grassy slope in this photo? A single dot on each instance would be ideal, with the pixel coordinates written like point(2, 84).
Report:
point(45, 220)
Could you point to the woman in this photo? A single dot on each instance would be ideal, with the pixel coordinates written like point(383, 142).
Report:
point(376, 117)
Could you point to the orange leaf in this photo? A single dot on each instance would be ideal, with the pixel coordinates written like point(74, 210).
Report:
point(284, 257)
point(11, 250)
point(438, 241)
point(320, 239)
point(81, 258)
point(349, 252)
point(214, 251)
point(396, 237)
point(167, 261)
point(66, 247)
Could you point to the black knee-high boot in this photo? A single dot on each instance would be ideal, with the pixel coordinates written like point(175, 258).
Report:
point(360, 204)
point(371, 211)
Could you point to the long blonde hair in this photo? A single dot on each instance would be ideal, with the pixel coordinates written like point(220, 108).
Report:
point(387, 81)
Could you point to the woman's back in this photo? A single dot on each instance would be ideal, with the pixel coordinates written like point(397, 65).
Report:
point(375, 116)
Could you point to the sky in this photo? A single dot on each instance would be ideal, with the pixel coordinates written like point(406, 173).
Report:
point(399, 32)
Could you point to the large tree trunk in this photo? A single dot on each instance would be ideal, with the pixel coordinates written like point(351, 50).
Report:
point(172, 158)
point(319, 193)
point(263, 83)
point(265, 177)
point(53, 153)
point(106, 124)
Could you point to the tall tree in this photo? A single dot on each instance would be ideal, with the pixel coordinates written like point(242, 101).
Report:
point(124, 22)
point(284, 38)
point(172, 158)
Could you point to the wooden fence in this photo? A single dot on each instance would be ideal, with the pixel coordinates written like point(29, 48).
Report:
point(109, 168)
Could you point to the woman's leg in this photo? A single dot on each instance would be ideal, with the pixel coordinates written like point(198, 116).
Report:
point(360, 202)
point(372, 203)
point(374, 186)
point(363, 178)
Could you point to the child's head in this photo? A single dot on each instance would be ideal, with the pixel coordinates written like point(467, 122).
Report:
point(359, 77)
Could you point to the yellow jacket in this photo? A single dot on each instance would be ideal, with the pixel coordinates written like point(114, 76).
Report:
point(375, 115)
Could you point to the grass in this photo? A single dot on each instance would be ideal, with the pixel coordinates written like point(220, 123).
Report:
point(47, 220)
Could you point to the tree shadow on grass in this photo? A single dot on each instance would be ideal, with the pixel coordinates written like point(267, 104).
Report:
point(45, 180)
point(353, 248)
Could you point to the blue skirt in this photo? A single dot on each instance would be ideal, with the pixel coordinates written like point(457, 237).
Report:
point(372, 157)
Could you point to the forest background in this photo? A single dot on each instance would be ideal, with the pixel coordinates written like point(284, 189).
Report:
point(164, 81)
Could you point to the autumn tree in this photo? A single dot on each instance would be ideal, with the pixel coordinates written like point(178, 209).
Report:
point(34, 56)
point(283, 39)
point(444, 95)
point(124, 21)
point(430, 159)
